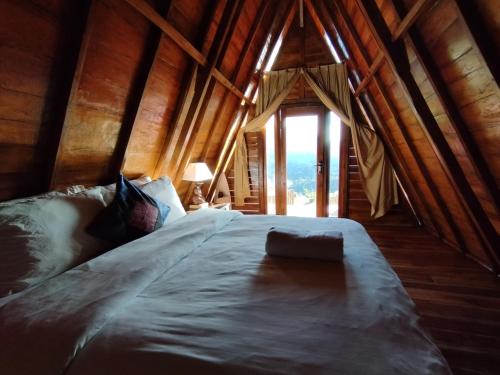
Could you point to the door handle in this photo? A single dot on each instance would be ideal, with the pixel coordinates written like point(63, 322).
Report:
point(319, 167)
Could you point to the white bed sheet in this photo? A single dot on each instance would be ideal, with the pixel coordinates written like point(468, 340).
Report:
point(201, 297)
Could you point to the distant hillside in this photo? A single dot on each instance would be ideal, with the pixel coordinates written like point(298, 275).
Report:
point(301, 171)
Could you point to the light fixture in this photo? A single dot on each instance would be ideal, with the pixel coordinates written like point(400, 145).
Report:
point(197, 173)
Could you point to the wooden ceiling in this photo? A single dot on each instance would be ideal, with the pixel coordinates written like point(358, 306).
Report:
point(92, 87)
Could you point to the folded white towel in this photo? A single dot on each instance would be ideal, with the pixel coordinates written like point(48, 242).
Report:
point(286, 242)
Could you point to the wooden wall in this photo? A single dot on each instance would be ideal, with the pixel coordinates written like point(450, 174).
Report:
point(33, 39)
point(92, 87)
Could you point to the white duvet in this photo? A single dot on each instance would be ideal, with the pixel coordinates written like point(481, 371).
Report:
point(200, 296)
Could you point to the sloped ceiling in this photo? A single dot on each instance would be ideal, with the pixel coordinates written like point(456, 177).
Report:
point(92, 87)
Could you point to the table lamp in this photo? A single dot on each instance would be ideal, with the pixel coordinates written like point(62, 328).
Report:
point(197, 173)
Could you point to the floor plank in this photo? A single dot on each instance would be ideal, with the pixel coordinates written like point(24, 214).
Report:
point(458, 300)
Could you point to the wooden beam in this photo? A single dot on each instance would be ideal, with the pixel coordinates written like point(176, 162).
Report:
point(135, 103)
point(411, 17)
point(176, 129)
point(282, 29)
point(147, 11)
point(198, 106)
point(372, 70)
point(234, 75)
point(451, 110)
point(232, 88)
point(398, 61)
point(406, 23)
point(153, 16)
point(406, 136)
point(75, 64)
point(483, 44)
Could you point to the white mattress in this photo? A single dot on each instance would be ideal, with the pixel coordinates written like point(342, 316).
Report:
point(200, 296)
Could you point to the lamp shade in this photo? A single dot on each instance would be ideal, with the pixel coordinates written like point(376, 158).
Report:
point(197, 172)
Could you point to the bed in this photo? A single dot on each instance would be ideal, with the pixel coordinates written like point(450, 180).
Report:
point(199, 296)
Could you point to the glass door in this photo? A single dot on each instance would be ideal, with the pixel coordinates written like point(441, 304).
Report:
point(301, 149)
point(302, 162)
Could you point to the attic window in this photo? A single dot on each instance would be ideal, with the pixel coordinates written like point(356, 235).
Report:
point(274, 54)
point(331, 48)
point(263, 53)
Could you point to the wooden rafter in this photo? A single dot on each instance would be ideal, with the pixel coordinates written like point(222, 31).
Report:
point(77, 62)
point(187, 105)
point(147, 11)
point(136, 101)
point(372, 70)
point(451, 110)
point(411, 17)
point(406, 136)
point(176, 129)
point(406, 23)
point(234, 75)
point(398, 61)
point(281, 31)
point(199, 105)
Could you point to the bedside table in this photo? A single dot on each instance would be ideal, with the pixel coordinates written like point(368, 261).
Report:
point(221, 206)
point(218, 206)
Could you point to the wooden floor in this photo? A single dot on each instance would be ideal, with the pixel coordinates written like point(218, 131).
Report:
point(458, 300)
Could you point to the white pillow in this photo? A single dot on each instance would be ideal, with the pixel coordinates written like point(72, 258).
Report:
point(69, 190)
point(45, 236)
point(163, 190)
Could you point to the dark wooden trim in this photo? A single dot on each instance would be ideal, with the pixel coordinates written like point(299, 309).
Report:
point(322, 155)
point(262, 171)
point(397, 58)
point(136, 99)
point(451, 110)
point(280, 163)
point(485, 47)
point(345, 135)
point(75, 63)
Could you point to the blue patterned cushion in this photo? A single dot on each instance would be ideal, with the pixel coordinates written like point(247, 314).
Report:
point(131, 215)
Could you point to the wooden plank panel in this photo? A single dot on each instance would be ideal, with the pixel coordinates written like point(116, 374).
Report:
point(95, 112)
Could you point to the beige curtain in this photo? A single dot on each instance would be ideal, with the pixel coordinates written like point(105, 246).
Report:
point(273, 89)
point(330, 83)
